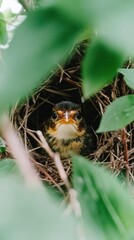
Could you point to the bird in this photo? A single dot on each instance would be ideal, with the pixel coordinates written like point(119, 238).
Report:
point(66, 130)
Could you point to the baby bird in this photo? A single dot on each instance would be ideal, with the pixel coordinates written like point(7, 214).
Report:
point(66, 131)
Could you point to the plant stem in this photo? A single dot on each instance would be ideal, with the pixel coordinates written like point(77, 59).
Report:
point(124, 141)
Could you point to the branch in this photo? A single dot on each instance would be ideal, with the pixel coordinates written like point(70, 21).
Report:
point(124, 141)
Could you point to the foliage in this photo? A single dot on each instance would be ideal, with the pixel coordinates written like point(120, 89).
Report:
point(128, 74)
point(35, 214)
point(103, 201)
point(28, 214)
point(119, 113)
point(47, 27)
point(99, 67)
point(41, 42)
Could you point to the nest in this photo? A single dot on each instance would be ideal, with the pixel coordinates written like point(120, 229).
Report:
point(65, 84)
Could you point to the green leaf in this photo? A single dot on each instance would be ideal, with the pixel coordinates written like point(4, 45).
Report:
point(3, 32)
point(105, 205)
point(118, 114)
point(116, 28)
point(31, 214)
point(86, 11)
point(99, 68)
point(8, 166)
point(42, 41)
point(80, 15)
point(128, 76)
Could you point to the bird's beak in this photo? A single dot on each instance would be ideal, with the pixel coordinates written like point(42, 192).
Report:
point(66, 116)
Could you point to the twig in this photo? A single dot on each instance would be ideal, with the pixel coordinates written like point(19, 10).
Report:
point(45, 145)
point(124, 141)
point(18, 151)
point(25, 125)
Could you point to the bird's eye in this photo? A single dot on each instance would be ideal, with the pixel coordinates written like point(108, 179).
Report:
point(54, 115)
point(78, 116)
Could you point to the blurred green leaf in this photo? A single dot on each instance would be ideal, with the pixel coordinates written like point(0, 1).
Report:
point(116, 28)
point(3, 31)
point(2, 145)
point(99, 67)
point(105, 205)
point(8, 166)
point(77, 11)
point(40, 43)
point(128, 76)
point(86, 11)
point(31, 214)
point(118, 114)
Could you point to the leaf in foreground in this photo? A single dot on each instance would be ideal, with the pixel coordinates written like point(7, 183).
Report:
point(118, 114)
point(8, 167)
point(99, 68)
point(40, 43)
point(31, 214)
point(117, 25)
point(104, 203)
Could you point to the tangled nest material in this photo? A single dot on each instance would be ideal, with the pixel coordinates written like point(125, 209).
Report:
point(65, 84)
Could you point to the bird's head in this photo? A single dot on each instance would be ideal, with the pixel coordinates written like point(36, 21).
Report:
point(66, 120)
